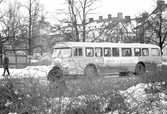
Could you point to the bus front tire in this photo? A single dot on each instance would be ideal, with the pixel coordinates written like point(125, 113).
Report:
point(90, 71)
point(140, 69)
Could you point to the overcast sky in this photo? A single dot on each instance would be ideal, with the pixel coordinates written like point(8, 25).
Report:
point(127, 7)
point(131, 8)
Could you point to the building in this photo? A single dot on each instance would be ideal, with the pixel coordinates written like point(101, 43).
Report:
point(111, 29)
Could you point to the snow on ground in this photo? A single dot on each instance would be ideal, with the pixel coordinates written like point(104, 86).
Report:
point(30, 71)
point(135, 95)
point(138, 97)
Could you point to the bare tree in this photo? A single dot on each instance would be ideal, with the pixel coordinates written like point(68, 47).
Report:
point(11, 25)
point(2, 14)
point(152, 27)
point(157, 22)
point(34, 9)
point(2, 39)
point(77, 16)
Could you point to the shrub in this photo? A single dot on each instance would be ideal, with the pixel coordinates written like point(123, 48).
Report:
point(116, 102)
point(156, 80)
point(155, 89)
point(31, 95)
point(12, 100)
point(154, 76)
point(89, 107)
point(22, 96)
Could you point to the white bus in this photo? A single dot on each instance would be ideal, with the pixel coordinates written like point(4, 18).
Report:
point(93, 59)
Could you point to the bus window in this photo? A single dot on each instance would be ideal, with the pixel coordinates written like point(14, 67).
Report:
point(89, 52)
point(62, 52)
point(115, 52)
point(155, 52)
point(77, 51)
point(126, 52)
point(145, 52)
point(137, 51)
point(98, 52)
point(107, 52)
point(80, 51)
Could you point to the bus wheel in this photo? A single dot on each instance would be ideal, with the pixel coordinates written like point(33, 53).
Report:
point(140, 69)
point(90, 71)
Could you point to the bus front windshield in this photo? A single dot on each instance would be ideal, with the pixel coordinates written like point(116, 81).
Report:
point(62, 52)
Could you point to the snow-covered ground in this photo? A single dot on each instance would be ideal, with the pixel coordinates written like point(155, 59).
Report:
point(33, 71)
point(136, 95)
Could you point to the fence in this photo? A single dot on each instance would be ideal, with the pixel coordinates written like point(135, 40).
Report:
point(16, 61)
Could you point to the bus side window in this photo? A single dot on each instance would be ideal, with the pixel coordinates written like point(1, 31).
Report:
point(145, 52)
point(137, 51)
point(98, 52)
point(89, 52)
point(115, 52)
point(80, 51)
point(107, 52)
point(77, 51)
point(155, 52)
point(126, 52)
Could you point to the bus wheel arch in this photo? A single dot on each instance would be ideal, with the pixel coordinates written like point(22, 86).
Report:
point(140, 68)
point(91, 70)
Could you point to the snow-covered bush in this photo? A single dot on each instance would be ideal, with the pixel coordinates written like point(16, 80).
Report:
point(100, 95)
point(21, 96)
point(155, 77)
point(12, 100)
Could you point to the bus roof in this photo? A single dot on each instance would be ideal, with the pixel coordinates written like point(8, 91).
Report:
point(103, 44)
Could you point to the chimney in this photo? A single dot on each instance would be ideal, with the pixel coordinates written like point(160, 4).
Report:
point(109, 16)
point(120, 15)
point(90, 20)
point(100, 18)
point(127, 18)
point(160, 3)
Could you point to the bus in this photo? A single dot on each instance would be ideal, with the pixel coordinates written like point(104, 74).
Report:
point(94, 59)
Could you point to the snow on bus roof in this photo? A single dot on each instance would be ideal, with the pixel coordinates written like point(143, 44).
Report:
point(103, 44)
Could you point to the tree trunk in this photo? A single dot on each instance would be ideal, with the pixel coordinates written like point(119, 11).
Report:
point(1, 51)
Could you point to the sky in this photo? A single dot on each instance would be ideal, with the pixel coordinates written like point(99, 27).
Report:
point(131, 8)
point(105, 7)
